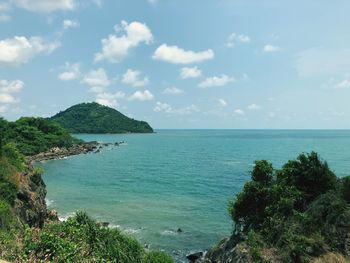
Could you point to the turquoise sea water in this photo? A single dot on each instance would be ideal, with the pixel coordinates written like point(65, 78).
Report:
point(157, 183)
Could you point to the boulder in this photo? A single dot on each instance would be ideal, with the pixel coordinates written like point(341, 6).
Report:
point(193, 257)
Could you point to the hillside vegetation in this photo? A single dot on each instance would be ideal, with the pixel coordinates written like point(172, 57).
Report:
point(294, 214)
point(34, 135)
point(96, 118)
point(27, 234)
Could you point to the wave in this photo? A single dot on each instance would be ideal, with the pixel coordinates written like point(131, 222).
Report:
point(169, 233)
point(131, 231)
point(113, 226)
point(66, 216)
point(49, 202)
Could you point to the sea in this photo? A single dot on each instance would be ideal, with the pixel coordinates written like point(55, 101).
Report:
point(155, 185)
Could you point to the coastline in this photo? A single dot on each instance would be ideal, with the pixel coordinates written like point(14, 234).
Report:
point(77, 149)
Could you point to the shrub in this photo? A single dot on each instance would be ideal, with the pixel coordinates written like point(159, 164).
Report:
point(81, 239)
point(302, 209)
point(158, 257)
point(309, 175)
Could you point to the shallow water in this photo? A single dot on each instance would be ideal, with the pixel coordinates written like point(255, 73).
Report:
point(157, 183)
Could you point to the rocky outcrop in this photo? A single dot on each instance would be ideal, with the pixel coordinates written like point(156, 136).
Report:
point(229, 250)
point(30, 206)
point(57, 153)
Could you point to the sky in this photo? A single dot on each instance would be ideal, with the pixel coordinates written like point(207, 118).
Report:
point(194, 64)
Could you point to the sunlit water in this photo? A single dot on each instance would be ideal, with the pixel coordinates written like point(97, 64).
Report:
point(157, 183)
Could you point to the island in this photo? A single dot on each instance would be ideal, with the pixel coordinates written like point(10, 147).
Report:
point(96, 118)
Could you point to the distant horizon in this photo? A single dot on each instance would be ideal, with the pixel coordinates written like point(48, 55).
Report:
point(223, 64)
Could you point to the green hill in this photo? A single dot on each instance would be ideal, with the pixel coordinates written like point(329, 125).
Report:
point(96, 118)
point(34, 135)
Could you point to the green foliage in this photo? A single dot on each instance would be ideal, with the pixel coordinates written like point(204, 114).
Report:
point(34, 135)
point(8, 186)
point(81, 239)
point(13, 155)
point(262, 172)
point(158, 257)
point(95, 118)
point(302, 209)
point(255, 244)
point(345, 188)
point(309, 175)
point(7, 220)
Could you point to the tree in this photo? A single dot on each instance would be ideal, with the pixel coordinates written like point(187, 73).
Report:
point(309, 175)
point(262, 172)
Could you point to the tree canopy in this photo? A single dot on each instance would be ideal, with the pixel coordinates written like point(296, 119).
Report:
point(303, 209)
point(96, 118)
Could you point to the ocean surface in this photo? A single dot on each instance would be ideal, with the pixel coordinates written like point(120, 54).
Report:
point(157, 183)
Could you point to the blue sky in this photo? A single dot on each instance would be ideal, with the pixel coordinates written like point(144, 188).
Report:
point(180, 64)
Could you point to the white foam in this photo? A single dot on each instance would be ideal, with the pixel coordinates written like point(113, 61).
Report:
point(49, 202)
point(131, 231)
point(112, 226)
point(66, 216)
point(168, 233)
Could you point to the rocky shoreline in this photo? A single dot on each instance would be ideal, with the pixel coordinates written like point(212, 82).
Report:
point(59, 153)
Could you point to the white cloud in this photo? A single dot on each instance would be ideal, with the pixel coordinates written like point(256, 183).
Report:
point(3, 108)
point(176, 55)
point(132, 78)
point(272, 114)
point(222, 102)
point(166, 108)
point(70, 24)
point(152, 2)
point(19, 49)
point(142, 96)
point(109, 99)
point(97, 80)
point(254, 107)
point(337, 84)
point(4, 18)
point(115, 48)
point(186, 110)
point(238, 112)
point(4, 8)
point(186, 73)
point(46, 6)
point(71, 72)
point(163, 107)
point(216, 81)
point(344, 84)
point(97, 2)
point(323, 62)
point(7, 88)
point(173, 91)
point(270, 48)
point(235, 39)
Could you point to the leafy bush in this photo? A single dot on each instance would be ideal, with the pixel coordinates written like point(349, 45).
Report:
point(302, 209)
point(157, 257)
point(34, 135)
point(81, 239)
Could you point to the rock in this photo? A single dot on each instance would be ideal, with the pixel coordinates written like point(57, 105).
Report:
point(105, 224)
point(30, 206)
point(194, 256)
point(179, 230)
point(52, 215)
point(59, 153)
point(229, 250)
point(116, 144)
